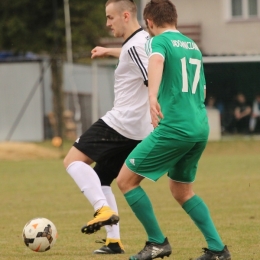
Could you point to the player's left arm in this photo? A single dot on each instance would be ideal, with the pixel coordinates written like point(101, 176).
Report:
point(155, 71)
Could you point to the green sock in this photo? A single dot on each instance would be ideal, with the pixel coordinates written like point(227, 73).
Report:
point(142, 207)
point(199, 213)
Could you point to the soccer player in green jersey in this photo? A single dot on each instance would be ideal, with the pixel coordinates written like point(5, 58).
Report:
point(176, 85)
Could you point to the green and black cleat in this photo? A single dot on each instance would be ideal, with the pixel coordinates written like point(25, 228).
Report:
point(153, 250)
point(215, 255)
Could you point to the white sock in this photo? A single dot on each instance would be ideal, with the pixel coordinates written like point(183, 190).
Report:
point(88, 182)
point(112, 231)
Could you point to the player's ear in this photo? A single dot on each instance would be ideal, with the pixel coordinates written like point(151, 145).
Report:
point(149, 23)
point(126, 16)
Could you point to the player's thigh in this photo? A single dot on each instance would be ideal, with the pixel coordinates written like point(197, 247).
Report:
point(155, 155)
point(105, 174)
point(88, 147)
point(185, 169)
point(76, 155)
point(108, 168)
point(90, 142)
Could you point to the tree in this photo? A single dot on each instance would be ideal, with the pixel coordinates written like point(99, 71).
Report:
point(38, 26)
point(88, 22)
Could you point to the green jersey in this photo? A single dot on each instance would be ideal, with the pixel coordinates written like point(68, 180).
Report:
point(181, 92)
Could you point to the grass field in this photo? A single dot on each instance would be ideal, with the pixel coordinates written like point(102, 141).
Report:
point(228, 180)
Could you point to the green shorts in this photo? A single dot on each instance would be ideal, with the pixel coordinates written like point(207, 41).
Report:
point(157, 155)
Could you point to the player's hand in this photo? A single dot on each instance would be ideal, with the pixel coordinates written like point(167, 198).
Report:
point(98, 52)
point(155, 111)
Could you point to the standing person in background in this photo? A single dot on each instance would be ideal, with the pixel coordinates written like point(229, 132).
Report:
point(109, 141)
point(241, 115)
point(176, 94)
point(254, 123)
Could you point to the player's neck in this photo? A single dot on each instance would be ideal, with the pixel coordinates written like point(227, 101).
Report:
point(130, 29)
point(160, 30)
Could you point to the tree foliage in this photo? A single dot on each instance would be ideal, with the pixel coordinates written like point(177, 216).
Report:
point(39, 26)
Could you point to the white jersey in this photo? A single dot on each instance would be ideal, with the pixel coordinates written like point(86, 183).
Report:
point(130, 114)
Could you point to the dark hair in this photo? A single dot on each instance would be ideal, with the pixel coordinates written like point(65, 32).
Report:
point(161, 12)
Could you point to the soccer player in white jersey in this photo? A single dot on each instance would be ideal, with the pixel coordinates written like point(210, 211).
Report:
point(109, 140)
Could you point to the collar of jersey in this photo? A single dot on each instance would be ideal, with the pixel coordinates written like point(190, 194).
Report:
point(175, 31)
point(137, 31)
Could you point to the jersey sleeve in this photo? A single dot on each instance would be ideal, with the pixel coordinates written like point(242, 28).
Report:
point(139, 57)
point(155, 45)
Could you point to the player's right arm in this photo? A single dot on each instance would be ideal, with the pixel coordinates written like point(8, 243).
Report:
point(155, 71)
point(155, 50)
point(102, 52)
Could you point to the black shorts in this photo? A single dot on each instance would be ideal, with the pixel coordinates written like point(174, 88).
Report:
point(107, 148)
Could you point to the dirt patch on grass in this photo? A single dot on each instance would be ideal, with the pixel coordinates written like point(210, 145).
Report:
point(22, 151)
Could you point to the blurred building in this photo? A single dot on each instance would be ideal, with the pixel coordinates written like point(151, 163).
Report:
point(25, 99)
point(222, 27)
point(228, 27)
point(227, 32)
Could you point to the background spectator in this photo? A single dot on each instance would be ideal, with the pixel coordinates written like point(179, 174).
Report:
point(254, 124)
point(241, 115)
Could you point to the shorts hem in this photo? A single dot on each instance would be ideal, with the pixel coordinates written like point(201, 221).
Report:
point(139, 173)
point(83, 150)
point(187, 182)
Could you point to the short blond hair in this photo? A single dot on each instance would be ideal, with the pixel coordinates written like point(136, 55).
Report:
point(125, 5)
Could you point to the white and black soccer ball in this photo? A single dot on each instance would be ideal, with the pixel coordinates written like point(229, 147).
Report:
point(39, 234)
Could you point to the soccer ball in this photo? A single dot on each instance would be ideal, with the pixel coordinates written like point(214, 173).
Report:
point(39, 234)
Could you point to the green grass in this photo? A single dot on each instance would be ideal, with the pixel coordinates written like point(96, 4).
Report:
point(228, 180)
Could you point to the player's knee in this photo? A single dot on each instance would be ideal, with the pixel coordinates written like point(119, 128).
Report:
point(123, 184)
point(127, 180)
point(69, 158)
point(181, 191)
point(181, 198)
point(120, 183)
point(178, 197)
point(66, 162)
